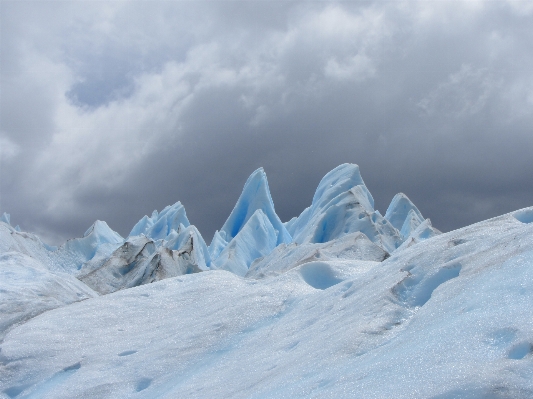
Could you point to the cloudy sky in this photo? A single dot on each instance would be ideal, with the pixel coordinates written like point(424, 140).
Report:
point(112, 109)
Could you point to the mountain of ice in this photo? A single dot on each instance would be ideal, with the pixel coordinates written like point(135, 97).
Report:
point(411, 222)
point(342, 205)
point(98, 241)
point(253, 229)
point(400, 209)
point(257, 238)
point(190, 240)
point(138, 261)
point(255, 196)
point(160, 225)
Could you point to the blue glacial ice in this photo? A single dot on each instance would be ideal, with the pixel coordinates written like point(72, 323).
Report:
point(411, 222)
point(399, 209)
point(252, 230)
point(97, 242)
point(160, 225)
point(342, 205)
point(257, 238)
point(255, 196)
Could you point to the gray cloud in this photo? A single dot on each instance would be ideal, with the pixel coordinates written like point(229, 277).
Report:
point(111, 110)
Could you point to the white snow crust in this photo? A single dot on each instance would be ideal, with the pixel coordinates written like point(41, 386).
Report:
point(28, 289)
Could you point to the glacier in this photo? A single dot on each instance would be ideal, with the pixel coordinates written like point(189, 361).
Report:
point(338, 302)
point(252, 230)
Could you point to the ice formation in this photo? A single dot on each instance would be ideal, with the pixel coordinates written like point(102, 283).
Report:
point(160, 225)
point(342, 205)
point(138, 261)
point(340, 302)
point(98, 241)
point(253, 229)
point(400, 209)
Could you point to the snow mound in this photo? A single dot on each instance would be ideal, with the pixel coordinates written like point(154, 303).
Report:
point(355, 246)
point(28, 289)
point(28, 244)
point(319, 275)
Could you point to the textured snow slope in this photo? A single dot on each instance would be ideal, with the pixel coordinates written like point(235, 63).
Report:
point(27, 289)
point(355, 246)
point(448, 317)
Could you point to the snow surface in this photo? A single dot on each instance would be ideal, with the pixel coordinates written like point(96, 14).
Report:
point(27, 289)
point(339, 302)
point(355, 246)
point(449, 317)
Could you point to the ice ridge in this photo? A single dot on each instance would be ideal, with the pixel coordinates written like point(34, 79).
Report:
point(255, 196)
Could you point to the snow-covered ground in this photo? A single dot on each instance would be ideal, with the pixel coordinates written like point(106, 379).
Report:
point(442, 316)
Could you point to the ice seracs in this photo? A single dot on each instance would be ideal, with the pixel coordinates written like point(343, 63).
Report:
point(257, 238)
point(98, 241)
point(399, 210)
point(411, 222)
point(255, 196)
point(342, 205)
point(160, 225)
point(253, 228)
point(137, 262)
point(190, 240)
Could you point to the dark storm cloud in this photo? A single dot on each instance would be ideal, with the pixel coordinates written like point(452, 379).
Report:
point(134, 106)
